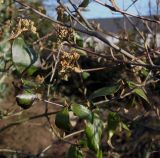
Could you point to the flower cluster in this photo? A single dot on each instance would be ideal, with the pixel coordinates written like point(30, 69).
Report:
point(25, 25)
point(64, 34)
point(68, 63)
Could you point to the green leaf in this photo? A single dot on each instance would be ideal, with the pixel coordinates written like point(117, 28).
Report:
point(74, 152)
point(93, 133)
point(144, 72)
point(81, 111)
point(30, 84)
point(104, 91)
point(62, 120)
point(131, 102)
point(142, 94)
point(124, 126)
point(81, 52)
point(23, 57)
point(85, 75)
point(113, 122)
point(5, 50)
point(84, 3)
point(131, 84)
point(78, 40)
point(25, 99)
point(138, 91)
point(83, 142)
point(99, 154)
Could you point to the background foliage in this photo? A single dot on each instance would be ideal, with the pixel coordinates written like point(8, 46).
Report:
point(106, 102)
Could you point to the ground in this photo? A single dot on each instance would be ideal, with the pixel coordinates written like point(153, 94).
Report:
point(31, 137)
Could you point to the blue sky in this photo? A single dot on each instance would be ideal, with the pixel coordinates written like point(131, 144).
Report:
point(98, 11)
point(95, 10)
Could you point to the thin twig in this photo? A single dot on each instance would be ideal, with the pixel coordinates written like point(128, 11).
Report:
point(115, 9)
point(88, 32)
point(73, 134)
point(53, 103)
point(27, 119)
point(148, 66)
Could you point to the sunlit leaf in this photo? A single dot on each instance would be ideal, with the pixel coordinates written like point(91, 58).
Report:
point(131, 84)
point(62, 120)
point(81, 111)
point(25, 99)
point(93, 133)
point(142, 94)
point(75, 152)
point(138, 91)
point(99, 154)
point(23, 57)
point(104, 91)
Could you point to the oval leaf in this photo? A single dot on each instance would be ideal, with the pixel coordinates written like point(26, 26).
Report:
point(85, 75)
point(62, 120)
point(93, 133)
point(104, 91)
point(81, 111)
point(23, 57)
point(25, 99)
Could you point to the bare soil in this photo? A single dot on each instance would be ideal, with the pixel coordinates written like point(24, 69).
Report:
point(30, 137)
